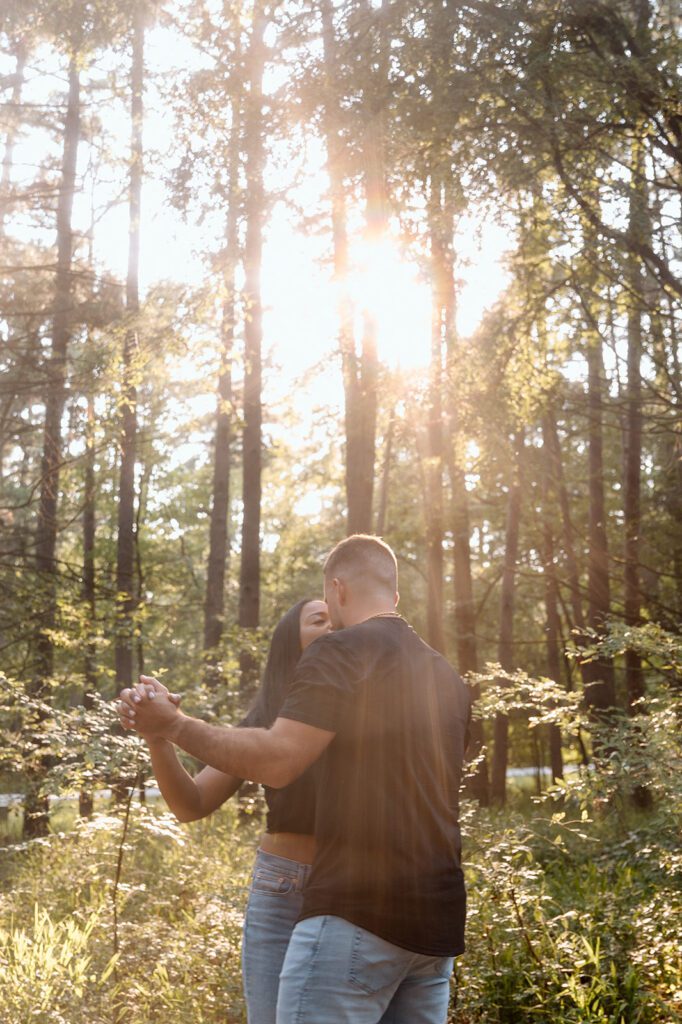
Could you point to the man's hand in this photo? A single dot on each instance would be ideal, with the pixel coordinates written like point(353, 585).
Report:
point(148, 708)
point(274, 756)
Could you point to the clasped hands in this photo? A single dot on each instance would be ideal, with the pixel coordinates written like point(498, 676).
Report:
point(149, 709)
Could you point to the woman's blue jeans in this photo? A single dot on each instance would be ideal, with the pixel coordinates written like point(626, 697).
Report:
point(274, 903)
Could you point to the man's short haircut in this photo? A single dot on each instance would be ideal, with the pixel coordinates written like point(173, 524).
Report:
point(363, 557)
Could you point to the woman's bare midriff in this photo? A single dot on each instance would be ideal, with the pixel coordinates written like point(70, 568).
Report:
point(290, 845)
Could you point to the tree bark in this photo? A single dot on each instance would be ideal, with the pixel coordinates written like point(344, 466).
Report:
point(598, 674)
point(672, 454)
point(125, 554)
point(36, 818)
point(360, 371)
point(10, 136)
point(220, 505)
point(146, 469)
point(359, 507)
point(442, 302)
point(382, 511)
point(634, 678)
point(553, 623)
point(506, 642)
point(356, 504)
point(465, 622)
point(249, 578)
point(551, 440)
point(85, 799)
point(465, 608)
point(464, 605)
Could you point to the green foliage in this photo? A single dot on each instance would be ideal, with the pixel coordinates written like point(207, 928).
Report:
point(180, 913)
point(573, 907)
point(575, 904)
point(47, 969)
point(659, 647)
point(67, 749)
point(530, 110)
point(572, 916)
point(638, 749)
point(574, 897)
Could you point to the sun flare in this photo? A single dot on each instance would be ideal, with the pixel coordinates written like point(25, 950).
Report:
point(386, 288)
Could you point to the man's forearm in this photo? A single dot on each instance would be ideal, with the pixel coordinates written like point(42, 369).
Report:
point(246, 753)
point(274, 756)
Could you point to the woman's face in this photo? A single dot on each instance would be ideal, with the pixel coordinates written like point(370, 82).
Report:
point(314, 622)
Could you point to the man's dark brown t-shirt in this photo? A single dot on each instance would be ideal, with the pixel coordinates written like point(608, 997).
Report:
point(388, 785)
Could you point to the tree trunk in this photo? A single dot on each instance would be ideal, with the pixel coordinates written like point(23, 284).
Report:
point(36, 808)
point(6, 179)
point(382, 511)
point(672, 460)
point(360, 372)
point(634, 679)
point(598, 674)
point(8, 400)
point(220, 506)
point(146, 470)
point(553, 623)
point(440, 232)
point(506, 642)
point(465, 608)
point(249, 578)
point(85, 799)
point(551, 440)
point(465, 623)
point(125, 555)
point(639, 226)
point(350, 366)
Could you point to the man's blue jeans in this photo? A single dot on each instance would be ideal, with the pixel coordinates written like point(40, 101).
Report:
point(275, 900)
point(337, 973)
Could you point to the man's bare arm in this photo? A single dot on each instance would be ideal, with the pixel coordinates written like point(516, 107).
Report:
point(274, 756)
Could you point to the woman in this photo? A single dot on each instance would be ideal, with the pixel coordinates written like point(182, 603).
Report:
point(286, 849)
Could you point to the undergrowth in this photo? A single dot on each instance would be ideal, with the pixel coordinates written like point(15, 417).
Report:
point(575, 897)
point(571, 918)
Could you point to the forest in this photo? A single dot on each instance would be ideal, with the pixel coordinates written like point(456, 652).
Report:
point(274, 273)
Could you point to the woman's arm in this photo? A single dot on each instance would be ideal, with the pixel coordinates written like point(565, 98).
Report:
point(189, 798)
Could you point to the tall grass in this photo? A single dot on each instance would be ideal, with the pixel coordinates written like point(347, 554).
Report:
point(180, 910)
point(570, 919)
point(575, 897)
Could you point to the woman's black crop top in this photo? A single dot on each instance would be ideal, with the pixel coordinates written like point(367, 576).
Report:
point(292, 808)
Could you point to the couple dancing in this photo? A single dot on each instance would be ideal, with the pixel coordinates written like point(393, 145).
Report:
point(357, 901)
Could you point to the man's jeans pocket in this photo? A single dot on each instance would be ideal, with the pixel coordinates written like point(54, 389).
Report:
point(444, 966)
point(374, 963)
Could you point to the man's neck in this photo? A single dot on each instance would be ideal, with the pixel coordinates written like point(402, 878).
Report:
point(372, 611)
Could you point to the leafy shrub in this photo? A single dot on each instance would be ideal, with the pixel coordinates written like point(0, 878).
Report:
point(574, 901)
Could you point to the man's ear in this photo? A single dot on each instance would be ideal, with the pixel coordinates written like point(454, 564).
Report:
point(341, 591)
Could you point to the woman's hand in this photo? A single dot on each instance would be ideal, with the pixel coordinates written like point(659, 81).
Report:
point(188, 798)
point(136, 710)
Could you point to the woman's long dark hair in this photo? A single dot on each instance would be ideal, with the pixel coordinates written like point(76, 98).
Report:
point(285, 651)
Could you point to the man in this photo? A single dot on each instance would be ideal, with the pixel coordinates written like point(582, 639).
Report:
point(384, 909)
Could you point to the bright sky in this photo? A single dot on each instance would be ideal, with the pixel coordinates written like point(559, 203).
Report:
point(300, 304)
